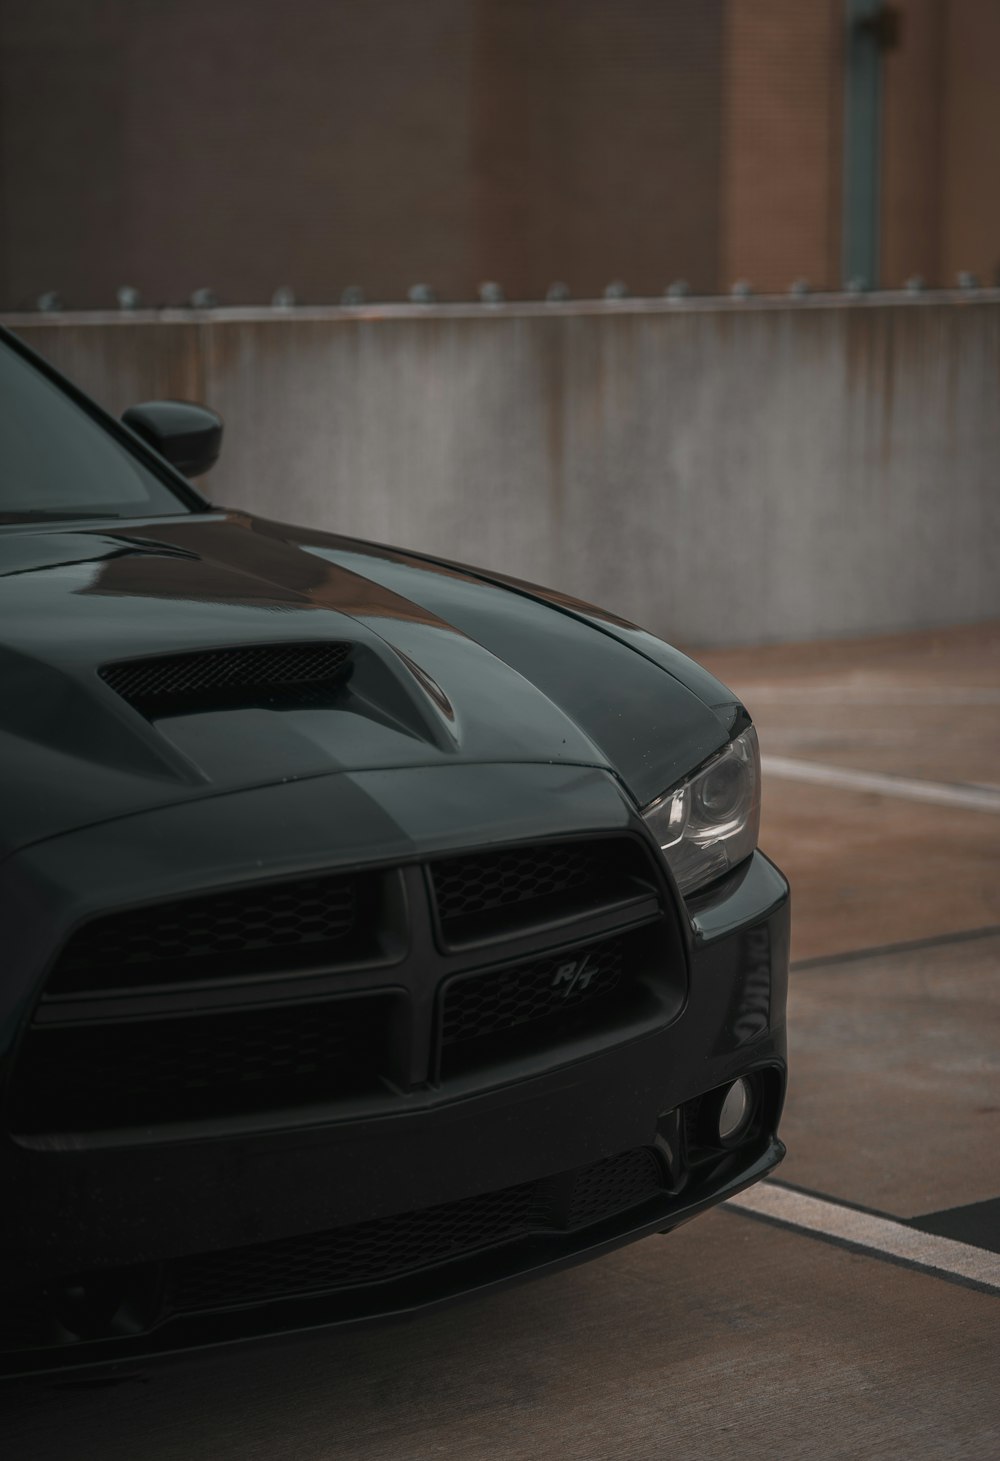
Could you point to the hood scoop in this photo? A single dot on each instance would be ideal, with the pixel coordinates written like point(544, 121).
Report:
point(263, 676)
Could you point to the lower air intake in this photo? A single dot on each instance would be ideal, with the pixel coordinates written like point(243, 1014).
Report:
point(393, 1247)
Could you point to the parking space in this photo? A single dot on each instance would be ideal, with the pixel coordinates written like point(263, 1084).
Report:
point(855, 1308)
point(888, 825)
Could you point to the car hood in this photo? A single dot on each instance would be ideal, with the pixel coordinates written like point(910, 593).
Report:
point(449, 665)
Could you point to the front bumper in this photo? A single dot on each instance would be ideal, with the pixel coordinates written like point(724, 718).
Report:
point(108, 1216)
point(480, 1274)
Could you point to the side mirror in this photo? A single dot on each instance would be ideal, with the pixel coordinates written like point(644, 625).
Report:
point(189, 436)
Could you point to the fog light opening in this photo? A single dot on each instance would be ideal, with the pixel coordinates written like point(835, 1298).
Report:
point(736, 1111)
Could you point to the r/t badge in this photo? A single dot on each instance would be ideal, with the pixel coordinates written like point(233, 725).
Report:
point(576, 974)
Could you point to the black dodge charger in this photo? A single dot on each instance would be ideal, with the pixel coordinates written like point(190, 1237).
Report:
point(375, 929)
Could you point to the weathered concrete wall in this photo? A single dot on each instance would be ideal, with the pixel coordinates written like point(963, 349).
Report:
point(721, 472)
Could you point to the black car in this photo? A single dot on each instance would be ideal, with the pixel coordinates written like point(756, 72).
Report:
point(375, 929)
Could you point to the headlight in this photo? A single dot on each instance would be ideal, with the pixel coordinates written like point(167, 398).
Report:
point(709, 823)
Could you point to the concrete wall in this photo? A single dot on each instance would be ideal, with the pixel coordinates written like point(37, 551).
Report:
point(720, 472)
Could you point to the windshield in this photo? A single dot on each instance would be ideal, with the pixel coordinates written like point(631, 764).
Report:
point(58, 462)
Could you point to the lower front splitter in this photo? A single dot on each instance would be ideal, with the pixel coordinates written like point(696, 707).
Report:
point(477, 1274)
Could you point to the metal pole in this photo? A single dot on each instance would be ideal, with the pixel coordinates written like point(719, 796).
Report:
point(867, 22)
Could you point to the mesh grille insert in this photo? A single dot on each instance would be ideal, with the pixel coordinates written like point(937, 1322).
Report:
point(360, 1254)
point(86, 1077)
point(483, 1004)
point(488, 891)
point(312, 921)
point(614, 1185)
point(266, 674)
point(128, 1030)
point(391, 1247)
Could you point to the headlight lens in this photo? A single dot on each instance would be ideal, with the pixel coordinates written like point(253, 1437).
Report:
point(710, 823)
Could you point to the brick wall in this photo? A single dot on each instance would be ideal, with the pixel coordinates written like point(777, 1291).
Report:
point(597, 143)
point(245, 144)
point(783, 105)
point(241, 144)
point(970, 199)
point(912, 151)
point(250, 143)
point(941, 155)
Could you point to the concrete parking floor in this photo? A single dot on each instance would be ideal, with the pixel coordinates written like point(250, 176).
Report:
point(859, 1315)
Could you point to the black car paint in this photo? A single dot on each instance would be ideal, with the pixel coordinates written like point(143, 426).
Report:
point(481, 712)
point(525, 682)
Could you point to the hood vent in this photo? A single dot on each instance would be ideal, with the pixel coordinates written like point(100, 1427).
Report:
point(272, 676)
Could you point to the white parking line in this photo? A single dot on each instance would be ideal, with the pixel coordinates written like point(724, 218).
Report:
point(870, 1232)
point(975, 798)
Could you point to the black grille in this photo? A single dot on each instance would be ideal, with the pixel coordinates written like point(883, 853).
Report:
point(392, 1247)
point(82, 1077)
point(281, 925)
point(614, 1185)
point(154, 1015)
point(360, 1254)
point(483, 1004)
point(267, 674)
point(485, 894)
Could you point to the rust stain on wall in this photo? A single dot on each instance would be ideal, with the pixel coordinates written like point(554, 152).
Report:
point(614, 451)
point(553, 383)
